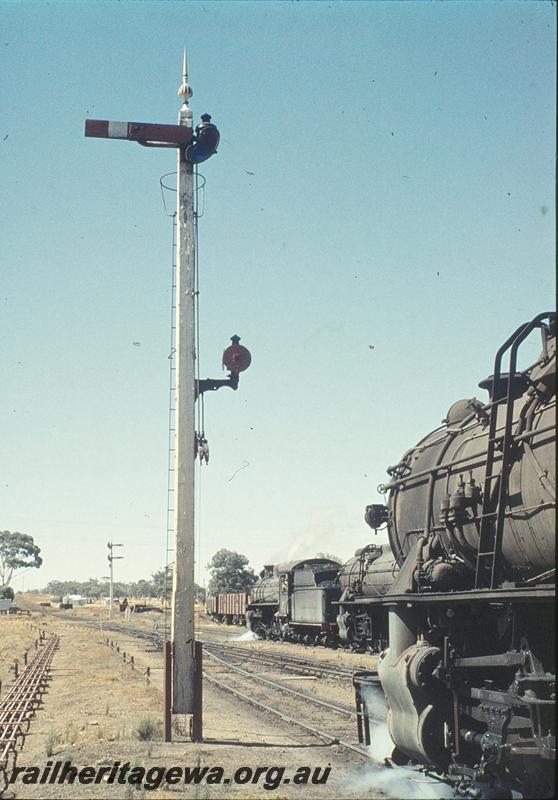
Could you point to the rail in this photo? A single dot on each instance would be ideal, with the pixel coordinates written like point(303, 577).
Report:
point(20, 703)
point(331, 738)
point(287, 662)
point(331, 706)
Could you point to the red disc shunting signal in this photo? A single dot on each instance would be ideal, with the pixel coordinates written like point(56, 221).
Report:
point(236, 357)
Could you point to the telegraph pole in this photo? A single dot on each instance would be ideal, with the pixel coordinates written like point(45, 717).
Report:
point(111, 558)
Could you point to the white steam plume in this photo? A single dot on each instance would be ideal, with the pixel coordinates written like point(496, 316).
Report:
point(247, 636)
point(403, 783)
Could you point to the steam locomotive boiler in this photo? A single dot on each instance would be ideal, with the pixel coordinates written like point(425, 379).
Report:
point(469, 674)
point(363, 626)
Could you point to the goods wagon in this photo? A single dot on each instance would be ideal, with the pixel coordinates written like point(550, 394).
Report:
point(228, 608)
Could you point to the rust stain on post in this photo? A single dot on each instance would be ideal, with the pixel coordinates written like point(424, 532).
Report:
point(197, 719)
point(167, 691)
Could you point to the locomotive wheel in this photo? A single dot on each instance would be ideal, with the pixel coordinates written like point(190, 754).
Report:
point(260, 630)
point(275, 632)
point(399, 758)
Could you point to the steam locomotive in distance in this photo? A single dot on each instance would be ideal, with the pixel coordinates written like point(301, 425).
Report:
point(292, 602)
point(310, 601)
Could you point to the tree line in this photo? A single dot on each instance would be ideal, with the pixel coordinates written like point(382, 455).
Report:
point(157, 587)
point(230, 573)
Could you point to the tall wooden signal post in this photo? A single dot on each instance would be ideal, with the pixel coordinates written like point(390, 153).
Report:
point(193, 147)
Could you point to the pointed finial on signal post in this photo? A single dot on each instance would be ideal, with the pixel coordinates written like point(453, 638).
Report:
point(185, 92)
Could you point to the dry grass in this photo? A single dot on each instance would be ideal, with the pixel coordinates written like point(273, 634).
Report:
point(15, 637)
point(94, 705)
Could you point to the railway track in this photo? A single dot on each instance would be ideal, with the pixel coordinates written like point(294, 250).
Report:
point(307, 712)
point(19, 705)
point(281, 687)
point(228, 657)
point(287, 662)
point(295, 663)
point(311, 714)
point(315, 717)
point(157, 637)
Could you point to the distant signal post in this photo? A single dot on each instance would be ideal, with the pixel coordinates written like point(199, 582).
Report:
point(111, 557)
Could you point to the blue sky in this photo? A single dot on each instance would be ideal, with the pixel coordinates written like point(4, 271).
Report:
point(399, 224)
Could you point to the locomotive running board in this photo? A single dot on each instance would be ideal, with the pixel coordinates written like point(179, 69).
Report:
point(517, 594)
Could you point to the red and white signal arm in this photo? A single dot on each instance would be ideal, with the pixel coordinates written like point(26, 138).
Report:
point(142, 132)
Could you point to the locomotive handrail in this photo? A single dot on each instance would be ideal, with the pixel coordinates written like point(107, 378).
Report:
point(487, 533)
point(490, 536)
point(470, 423)
point(385, 487)
point(394, 484)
